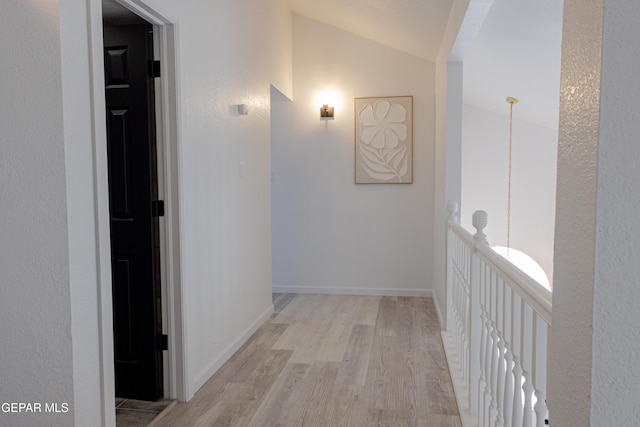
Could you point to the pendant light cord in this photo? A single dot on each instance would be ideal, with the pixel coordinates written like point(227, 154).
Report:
point(511, 101)
point(509, 182)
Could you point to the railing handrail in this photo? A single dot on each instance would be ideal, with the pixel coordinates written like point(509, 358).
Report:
point(462, 232)
point(498, 319)
point(533, 293)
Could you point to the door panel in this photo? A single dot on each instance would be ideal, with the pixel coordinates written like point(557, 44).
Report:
point(124, 317)
point(119, 164)
point(134, 231)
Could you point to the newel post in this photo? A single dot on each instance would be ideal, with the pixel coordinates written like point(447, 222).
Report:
point(452, 209)
point(480, 219)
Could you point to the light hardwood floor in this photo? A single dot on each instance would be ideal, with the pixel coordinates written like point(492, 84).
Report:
point(332, 360)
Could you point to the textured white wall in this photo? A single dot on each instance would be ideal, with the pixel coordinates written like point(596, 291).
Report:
point(570, 337)
point(35, 305)
point(595, 338)
point(615, 388)
point(330, 235)
point(485, 170)
point(230, 52)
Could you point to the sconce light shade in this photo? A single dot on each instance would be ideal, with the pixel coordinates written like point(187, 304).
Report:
point(326, 112)
point(243, 109)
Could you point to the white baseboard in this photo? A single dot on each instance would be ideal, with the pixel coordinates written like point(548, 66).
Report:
point(353, 291)
point(226, 354)
point(438, 312)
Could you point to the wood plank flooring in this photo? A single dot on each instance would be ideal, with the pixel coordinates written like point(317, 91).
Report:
point(332, 360)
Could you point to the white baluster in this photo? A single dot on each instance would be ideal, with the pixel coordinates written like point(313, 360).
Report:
point(467, 326)
point(508, 388)
point(516, 416)
point(494, 353)
point(459, 290)
point(527, 419)
point(478, 337)
point(508, 334)
point(465, 336)
point(452, 208)
point(454, 294)
point(479, 220)
point(464, 349)
point(528, 345)
point(501, 350)
point(540, 370)
point(488, 352)
point(455, 287)
point(467, 313)
point(541, 408)
point(459, 286)
point(482, 381)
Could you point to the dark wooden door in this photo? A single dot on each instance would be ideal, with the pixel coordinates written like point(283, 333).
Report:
point(134, 224)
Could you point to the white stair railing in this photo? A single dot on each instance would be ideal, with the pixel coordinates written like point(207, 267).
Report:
point(497, 319)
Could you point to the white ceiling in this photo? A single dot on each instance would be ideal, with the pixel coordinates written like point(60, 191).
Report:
point(517, 53)
point(412, 26)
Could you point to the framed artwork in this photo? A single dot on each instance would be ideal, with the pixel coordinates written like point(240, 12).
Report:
point(384, 140)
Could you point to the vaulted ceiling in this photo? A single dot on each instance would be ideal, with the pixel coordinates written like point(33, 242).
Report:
point(516, 52)
point(412, 26)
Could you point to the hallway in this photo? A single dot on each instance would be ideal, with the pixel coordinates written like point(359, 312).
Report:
point(332, 360)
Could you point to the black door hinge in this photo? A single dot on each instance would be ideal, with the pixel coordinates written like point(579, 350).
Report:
point(157, 208)
point(164, 342)
point(154, 68)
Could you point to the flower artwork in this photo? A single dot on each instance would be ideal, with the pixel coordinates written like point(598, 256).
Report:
point(384, 140)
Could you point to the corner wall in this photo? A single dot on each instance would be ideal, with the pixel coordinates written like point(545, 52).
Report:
point(461, 29)
point(594, 340)
point(35, 299)
point(329, 234)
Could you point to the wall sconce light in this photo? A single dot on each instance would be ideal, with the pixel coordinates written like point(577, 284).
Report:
point(243, 109)
point(326, 112)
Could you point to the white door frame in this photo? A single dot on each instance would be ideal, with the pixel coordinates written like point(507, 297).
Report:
point(169, 152)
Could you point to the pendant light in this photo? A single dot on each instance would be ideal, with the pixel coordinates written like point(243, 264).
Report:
point(521, 260)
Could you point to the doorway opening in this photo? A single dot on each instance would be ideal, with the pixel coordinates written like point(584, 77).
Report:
point(141, 123)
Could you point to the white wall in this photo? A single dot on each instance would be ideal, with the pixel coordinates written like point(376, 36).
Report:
point(329, 234)
point(229, 52)
point(35, 302)
point(615, 387)
point(460, 31)
point(595, 337)
point(485, 170)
